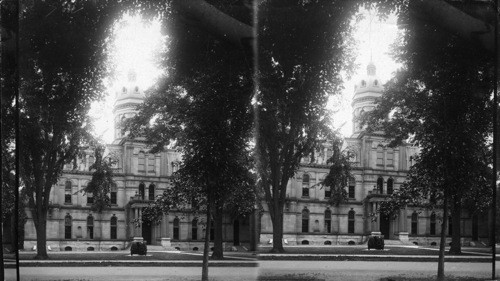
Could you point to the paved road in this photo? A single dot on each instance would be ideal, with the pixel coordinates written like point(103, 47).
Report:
point(273, 270)
point(367, 270)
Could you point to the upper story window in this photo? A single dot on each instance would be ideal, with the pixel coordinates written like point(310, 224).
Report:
point(142, 190)
point(141, 164)
point(363, 83)
point(390, 186)
point(305, 185)
point(113, 194)
point(90, 198)
point(352, 189)
point(151, 164)
point(67, 192)
point(390, 157)
point(151, 192)
point(380, 185)
point(380, 156)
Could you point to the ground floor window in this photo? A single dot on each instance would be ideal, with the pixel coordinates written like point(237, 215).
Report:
point(350, 221)
point(67, 226)
point(176, 229)
point(113, 227)
point(433, 224)
point(414, 223)
point(194, 230)
point(305, 220)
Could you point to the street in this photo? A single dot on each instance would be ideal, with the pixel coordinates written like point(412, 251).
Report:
point(275, 270)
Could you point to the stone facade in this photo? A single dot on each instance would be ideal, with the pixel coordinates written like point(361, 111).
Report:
point(139, 177)
point(378, 171)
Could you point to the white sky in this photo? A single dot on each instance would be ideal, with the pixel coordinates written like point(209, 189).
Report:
point(382, 36)
point(136, 45)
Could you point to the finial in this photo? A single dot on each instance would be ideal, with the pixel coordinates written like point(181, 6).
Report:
point(371, 69)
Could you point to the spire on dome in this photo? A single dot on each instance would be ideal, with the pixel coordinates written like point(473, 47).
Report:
point(132, 76)
point(371, 69)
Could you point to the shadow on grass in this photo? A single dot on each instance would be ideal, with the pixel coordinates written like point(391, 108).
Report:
point(451, 278)
point(291, 277)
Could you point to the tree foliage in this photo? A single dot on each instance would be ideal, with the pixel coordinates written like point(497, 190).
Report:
point(303, 47)
point(102, 180)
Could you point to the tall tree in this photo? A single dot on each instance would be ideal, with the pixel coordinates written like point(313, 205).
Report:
point(440, 101)
point(61, 53)
point(102, 180)
point(303, 47)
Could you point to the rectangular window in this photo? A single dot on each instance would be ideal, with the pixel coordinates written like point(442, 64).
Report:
point(433, 228)
point(67, 232)
point(380, 156)
point(113, 232)
point(328, 226)
point(305, 226)
point(90, 198)
point(194, 234)
point(151, 165)
point(350, 226)
point(305, 191)
point(141, 165)
point(67, 198)
point(390, 157)
point(112, 198)
point(351, 192)
point(91, 232)
point(328, 192)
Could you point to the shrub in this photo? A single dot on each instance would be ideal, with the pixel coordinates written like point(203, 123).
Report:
point(305, 242)
point(114, 248)
point(90, 249)
point(195, 249)
point(351, 243)
point(138, 248)
point(68, 248)
point(327, 242)
point(376, 242)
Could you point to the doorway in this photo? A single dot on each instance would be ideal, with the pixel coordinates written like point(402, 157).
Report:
point(385, 226)
point(147, 232)
point(236, 233)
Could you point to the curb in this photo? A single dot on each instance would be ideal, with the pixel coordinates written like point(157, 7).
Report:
point(336, 257)
point(90, 263)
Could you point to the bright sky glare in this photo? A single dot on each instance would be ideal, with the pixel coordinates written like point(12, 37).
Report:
point(376, 46)
point(137, 44)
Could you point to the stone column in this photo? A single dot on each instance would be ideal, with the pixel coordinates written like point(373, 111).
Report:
point(403, 229)
point(165, 238)
point(376, 223)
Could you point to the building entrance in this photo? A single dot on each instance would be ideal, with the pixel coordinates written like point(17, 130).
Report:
point(384, 226)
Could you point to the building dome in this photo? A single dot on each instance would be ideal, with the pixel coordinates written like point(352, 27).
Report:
point(366, 91)
point(128, 97)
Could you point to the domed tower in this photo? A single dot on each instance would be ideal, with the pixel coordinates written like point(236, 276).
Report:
point(127, 99)
point(366, 91)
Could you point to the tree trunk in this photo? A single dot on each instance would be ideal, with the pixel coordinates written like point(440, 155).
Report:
point(456, 247)
point(218, 253)
point(277, 220)
point(442, 243)
point(41, 236)
point(204, 269)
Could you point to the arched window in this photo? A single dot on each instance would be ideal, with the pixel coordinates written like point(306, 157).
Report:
point(90, 226)
point(414, 223)
point(305, 220)
point(433, 224)
point(114, 226)
point(176, 229)
point(67, 192)
point(68, 222)
point(375, 82)
point(141, 168)
point(390, 157)
point(380, 185)
point(151, 192)
point(136, 89)
point(351, 192)
point(328, 221)
point(113, 195)
point(124, 90)
point(305, 185)
point(380, 156)
point(194, 229)
point(350, 221)
point(142, 188)
point(390, 186)
point(363, 83)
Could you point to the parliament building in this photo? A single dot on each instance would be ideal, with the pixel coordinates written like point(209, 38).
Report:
point(308, 218)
